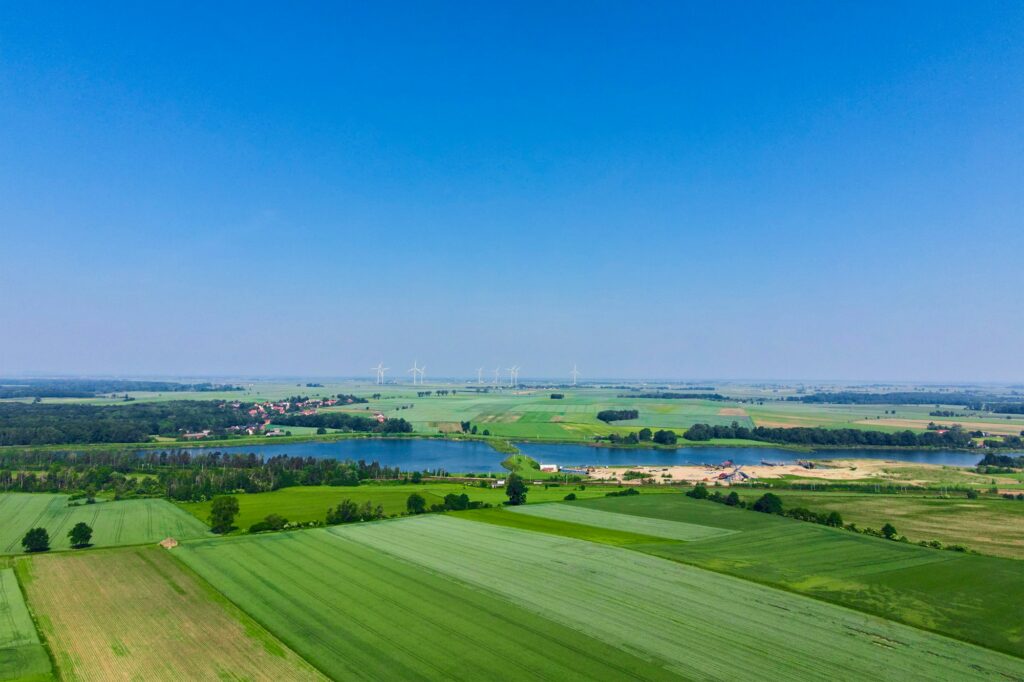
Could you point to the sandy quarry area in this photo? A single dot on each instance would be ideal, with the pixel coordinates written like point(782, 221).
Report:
point(833, 470)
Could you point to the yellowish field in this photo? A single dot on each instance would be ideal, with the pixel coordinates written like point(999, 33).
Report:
point(137, 614)
point(1010, 428)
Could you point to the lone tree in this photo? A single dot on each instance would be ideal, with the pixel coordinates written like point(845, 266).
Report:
point(889, 531)
point(222, 513)
point(769, 503)
point(80, 535)
point(415, 504)
point(36, 540)
point(516, 490)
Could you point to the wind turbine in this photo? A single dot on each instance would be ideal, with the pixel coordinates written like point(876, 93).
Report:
point(513, 376)
point(423, 370)
point(497, 371)
point(479, 375)
point(416, 371)
point(380, 369)
point(575, 374)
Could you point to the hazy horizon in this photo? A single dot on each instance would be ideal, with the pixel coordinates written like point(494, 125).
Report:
point(721, 190)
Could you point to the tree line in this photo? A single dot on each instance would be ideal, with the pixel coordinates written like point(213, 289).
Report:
point(953, 438)
point(342, 421)
point(88, 388)
point(617, 415)
point(668, 395)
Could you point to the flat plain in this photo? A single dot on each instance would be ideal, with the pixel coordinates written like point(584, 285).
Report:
point(126, 522)
point(136, 613)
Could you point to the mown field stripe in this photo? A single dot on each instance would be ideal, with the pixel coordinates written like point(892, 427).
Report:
point(673, 530)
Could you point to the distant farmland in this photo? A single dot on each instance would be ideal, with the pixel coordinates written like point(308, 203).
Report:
point(128, 522)
point(137, 614)
point(22, 656)
point(437, 592)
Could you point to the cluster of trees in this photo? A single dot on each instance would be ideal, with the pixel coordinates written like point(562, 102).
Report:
point(557, 396)
point(946, 413)
point(38, 539)
point(178, 475)
point(617, 415)
point(623, 493)
point(1007, 461)
point(350, 398)
point(345, 422)
point(467, 427)
point(644, 435)
point(891, 398)
point(348, 511)
point(1006, 408)
point(954, 438)
point(417, 504)
point(48, 424)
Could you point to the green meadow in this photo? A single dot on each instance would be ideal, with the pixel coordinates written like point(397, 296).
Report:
point(310, 503)
point(127, 522)
point(22, 656)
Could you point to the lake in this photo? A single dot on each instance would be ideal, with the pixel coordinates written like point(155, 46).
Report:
point(473, 456)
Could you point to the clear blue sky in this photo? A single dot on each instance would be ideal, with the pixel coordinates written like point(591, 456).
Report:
point(829, 190)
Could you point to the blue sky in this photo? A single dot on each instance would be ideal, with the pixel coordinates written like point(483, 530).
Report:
point(677, 190)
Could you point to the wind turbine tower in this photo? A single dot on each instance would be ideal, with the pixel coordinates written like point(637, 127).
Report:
point(513, 376)
point(380, 369)
point(575, 374)
point(417, 372)
point(479, 375)
point(497, 372)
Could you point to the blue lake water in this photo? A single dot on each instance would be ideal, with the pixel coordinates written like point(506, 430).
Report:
point(472, 456)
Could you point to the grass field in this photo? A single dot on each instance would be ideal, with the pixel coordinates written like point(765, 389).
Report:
point(22, 656)
point(127, 522)
point(138, 614)
point(357, 613)
point(990, 526)
point(971, 597)
point(696, 623)
point(310, 503)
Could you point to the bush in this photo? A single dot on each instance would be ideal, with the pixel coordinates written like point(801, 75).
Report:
point(699, 492)
point(570, 497)
point(769, 503)
point(623, 493)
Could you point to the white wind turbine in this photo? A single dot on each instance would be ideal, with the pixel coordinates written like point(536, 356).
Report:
point(513, 376)
point(479, 375)
point(417, 372)
point(575, 374)
point(380, 369)
point(497, 372)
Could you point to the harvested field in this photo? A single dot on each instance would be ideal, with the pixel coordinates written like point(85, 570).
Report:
point(673, 530)
point(137, 614)
point(1009, 428)
point(676, 614)
point(732, 412)
point(22, 656)
point(129, 522)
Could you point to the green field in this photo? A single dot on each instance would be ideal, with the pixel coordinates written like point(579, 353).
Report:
point(986, 525)
point(127, 522)
point(358, 613)
point(22, 656)
point(971, 597)
point(310, 503)
point(696, 623)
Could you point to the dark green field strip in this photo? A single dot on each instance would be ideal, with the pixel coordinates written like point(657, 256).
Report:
point(970, 597)
point(22, 656)
point(355, 612)
point(605, 536)
point(587, 516)
point(706, 624)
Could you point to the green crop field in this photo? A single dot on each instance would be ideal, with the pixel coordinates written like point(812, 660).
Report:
point(358, 613)
point(990, 526)
point(971, 597)
point(127, 522)
point(310, 503)
point(22, 656)
point(137, 614)
point(696, 623)
point(674, 530)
